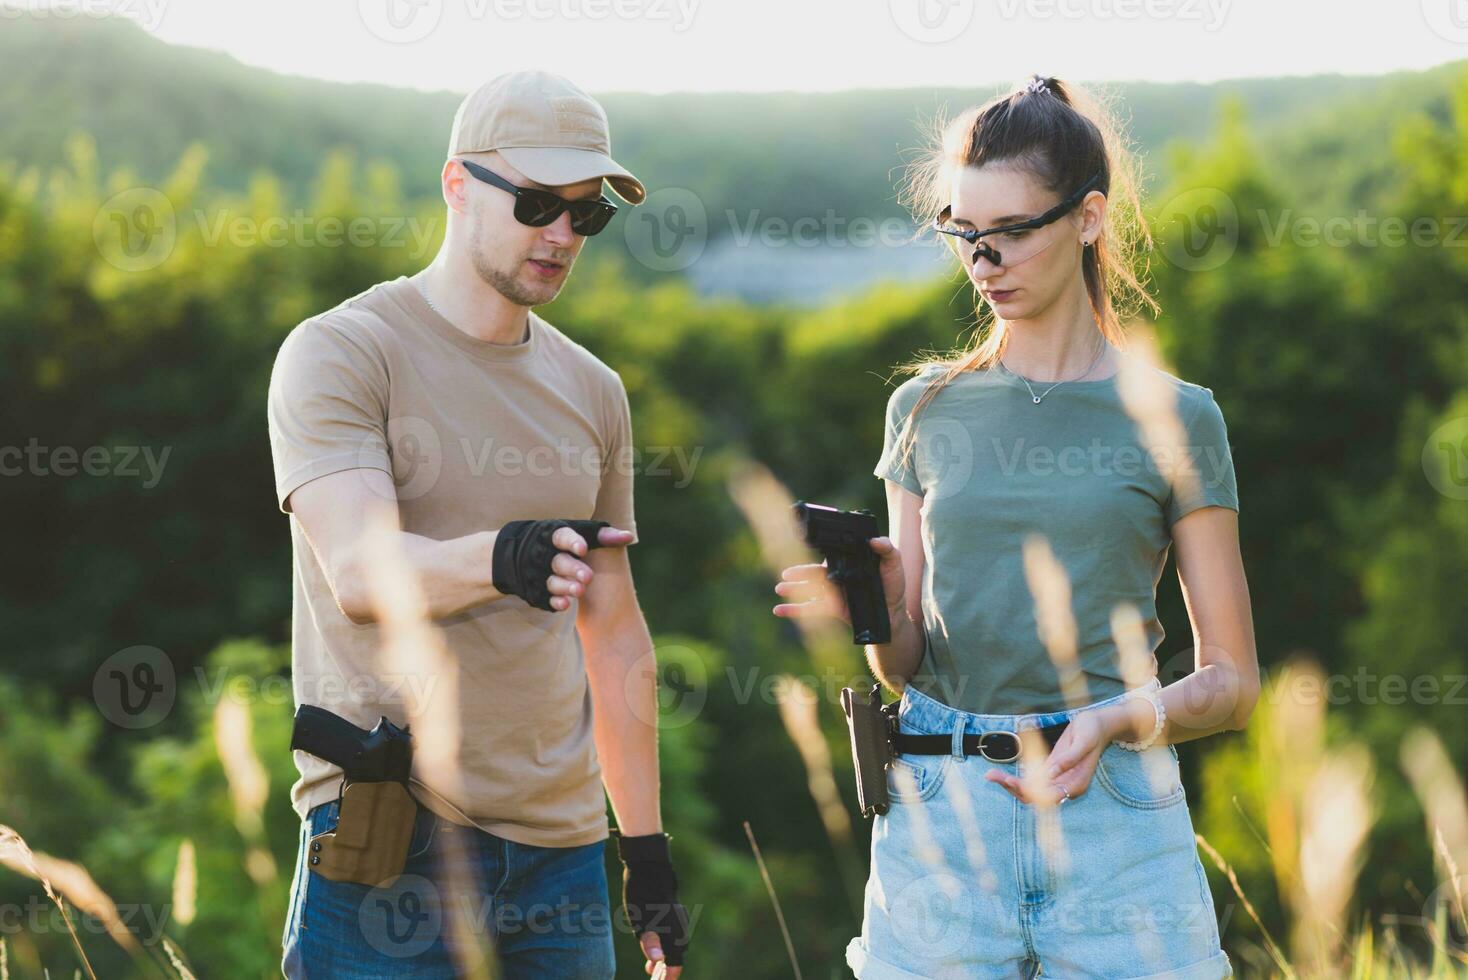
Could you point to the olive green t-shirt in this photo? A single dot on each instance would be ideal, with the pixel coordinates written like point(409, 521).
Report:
point(993, 467)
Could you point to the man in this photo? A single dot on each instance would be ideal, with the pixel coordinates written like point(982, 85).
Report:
point(444, 394)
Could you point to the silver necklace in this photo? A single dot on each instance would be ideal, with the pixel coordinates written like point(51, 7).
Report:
point(1094, 361)
point(423, 291)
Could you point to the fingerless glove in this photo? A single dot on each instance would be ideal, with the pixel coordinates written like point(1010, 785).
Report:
point(523, 552)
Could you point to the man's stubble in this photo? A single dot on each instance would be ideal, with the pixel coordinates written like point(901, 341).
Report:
point(506, 282)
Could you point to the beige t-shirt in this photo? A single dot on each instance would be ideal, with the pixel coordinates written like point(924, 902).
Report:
point(475, 435)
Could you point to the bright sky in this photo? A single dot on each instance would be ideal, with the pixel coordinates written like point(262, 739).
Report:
point(760, 45)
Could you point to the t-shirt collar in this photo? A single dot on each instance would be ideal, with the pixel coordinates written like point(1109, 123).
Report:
point(411, 297)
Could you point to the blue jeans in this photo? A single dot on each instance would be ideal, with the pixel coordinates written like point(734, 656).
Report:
point(968, 882)
point(465, 897)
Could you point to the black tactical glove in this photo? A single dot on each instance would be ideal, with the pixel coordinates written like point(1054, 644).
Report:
point(523, 553)
point(650, 893)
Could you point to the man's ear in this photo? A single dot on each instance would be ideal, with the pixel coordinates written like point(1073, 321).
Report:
point(454, 181)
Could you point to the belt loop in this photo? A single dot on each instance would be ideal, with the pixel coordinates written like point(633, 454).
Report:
point(958, 726)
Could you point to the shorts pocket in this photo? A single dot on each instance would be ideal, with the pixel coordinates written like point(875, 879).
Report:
point(914, 778)
point(1205, 896)
point(1146, 780)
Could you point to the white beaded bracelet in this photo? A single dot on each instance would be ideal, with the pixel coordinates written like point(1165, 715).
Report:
point(1160, 711)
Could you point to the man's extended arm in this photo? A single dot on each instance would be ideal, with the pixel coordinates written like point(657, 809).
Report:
point(621, 670)
point(454, 575)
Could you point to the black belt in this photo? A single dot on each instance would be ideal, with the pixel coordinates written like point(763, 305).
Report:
point(998, 746)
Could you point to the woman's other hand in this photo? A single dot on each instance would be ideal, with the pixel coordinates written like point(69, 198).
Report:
point(1070, 765)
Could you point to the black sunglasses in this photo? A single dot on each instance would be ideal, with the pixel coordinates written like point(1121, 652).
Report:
point(988, 251)
point(538, 208)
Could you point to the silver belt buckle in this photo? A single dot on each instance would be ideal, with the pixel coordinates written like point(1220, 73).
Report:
point(986, 737)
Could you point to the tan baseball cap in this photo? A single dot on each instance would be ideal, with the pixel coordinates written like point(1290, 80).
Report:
point(546, 128)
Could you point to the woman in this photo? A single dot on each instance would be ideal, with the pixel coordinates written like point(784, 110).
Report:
point(1028, 473)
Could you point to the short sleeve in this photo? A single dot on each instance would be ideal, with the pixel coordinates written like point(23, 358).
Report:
point(891, 466)
point(1210, 480)
point(327, 407)
point(614, 496)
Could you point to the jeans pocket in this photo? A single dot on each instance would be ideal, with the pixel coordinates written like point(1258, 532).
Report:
point(1146, 780)
point(319, 820)
point(425, 827)
point(915, 778)
point(298, 881)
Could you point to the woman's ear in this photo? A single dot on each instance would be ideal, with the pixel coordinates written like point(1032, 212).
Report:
point(1093, 215)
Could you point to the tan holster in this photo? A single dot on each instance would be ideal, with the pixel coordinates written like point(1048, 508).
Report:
point(370, 843)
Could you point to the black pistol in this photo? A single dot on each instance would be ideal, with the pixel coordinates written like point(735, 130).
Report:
point(376, 810)
point(843, 538)
point(385, 754)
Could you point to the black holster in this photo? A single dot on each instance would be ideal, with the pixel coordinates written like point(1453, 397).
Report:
point(872, 726)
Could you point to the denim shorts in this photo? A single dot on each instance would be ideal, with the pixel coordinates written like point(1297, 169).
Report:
point(465, 898)
point(968, 882)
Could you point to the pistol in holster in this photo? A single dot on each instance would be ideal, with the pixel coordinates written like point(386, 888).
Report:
point(369, 844)
point(872, 726)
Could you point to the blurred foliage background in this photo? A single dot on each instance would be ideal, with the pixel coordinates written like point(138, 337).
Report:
point(1336, 366)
